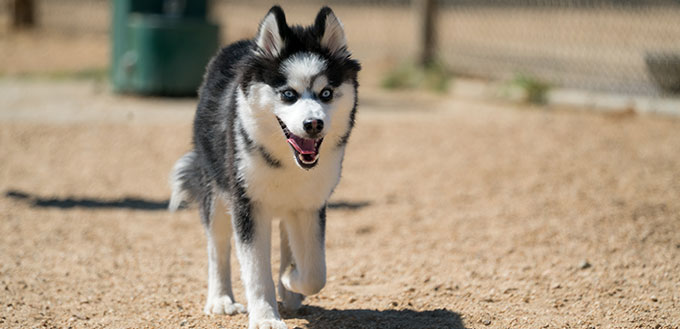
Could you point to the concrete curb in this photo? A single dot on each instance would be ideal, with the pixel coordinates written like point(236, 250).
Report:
point(667, 106)
point(564, 97)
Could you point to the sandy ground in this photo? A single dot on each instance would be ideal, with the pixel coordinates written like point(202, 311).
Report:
point(450, 214)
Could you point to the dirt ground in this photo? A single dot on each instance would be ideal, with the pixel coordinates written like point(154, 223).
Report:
point(450, 214)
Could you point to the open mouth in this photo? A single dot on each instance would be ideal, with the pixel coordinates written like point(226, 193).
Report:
point(306, 150)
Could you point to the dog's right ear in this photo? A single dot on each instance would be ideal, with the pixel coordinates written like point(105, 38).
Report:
point(270, 35)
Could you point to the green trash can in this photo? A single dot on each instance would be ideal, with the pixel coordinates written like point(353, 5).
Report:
point(161, 47)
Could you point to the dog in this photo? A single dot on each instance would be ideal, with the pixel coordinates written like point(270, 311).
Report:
point(274, 116)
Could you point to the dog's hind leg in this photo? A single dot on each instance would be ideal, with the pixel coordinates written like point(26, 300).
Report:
point(291, 301)
point(218, 231)
point(307, 274)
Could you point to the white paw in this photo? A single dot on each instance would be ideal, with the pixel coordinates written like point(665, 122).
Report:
point(287, 277)
point(267, 324)
point(292, 281)
point(290, 301)
point(223, 305)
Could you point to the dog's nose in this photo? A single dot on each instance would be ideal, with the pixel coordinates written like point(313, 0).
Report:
point(313, 126)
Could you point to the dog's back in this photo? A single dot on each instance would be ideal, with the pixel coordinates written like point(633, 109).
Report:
point(195, 173)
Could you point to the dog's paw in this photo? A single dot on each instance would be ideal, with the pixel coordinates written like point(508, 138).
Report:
point(293, 281)
point(290, 301)
point(268, 324)
point(223, 305)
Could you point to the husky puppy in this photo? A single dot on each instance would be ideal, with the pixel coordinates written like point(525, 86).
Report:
point(274, 116)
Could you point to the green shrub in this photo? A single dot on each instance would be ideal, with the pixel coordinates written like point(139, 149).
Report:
point(407, 75)
point(534, 90)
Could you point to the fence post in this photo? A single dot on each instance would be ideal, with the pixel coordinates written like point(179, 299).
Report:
point(23, 13)
point(426, 12)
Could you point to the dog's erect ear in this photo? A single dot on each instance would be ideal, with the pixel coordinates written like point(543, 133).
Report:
point(270, 36)
point(331, 32)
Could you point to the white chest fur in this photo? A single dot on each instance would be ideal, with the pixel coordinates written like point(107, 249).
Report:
point(288, 187)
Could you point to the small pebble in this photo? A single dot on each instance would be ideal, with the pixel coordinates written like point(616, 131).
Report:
point(486, 322)
point(654, 299)
point(584, 265)
point(352, 300)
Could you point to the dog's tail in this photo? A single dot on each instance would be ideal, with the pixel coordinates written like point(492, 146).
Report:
point(184, 180)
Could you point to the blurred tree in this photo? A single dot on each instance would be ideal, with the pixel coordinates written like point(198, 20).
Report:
point(23, 13)
point(426, 10)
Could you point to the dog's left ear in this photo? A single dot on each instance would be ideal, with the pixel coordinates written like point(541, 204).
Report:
point(331, 32)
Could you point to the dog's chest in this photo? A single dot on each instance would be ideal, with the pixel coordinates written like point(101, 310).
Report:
point(289, 187)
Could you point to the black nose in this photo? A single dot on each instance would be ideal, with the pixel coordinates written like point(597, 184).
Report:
point(313, 126)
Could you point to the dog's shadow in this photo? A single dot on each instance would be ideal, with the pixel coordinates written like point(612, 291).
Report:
point(321, 318)
point(131, 203)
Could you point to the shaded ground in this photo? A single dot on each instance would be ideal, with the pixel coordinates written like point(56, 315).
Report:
point(450, 214)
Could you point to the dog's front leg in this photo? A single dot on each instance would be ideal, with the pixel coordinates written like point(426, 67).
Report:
point(306, 275)
point(290, 301)
point(253, 244)
point(218, 229)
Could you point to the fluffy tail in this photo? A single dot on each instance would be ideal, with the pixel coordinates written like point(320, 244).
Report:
point(184, 180)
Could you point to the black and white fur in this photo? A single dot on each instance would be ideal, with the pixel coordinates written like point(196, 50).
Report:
point(274, 116)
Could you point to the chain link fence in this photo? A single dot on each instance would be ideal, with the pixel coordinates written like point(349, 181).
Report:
point(603, 45)
point(595, 45)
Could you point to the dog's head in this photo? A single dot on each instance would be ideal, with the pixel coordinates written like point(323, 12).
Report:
point(303, 80)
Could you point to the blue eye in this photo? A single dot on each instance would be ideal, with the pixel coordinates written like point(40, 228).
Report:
point(326, 95)
point(289, 95)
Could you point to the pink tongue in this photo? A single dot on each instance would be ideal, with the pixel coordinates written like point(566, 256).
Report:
point(302, 145)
